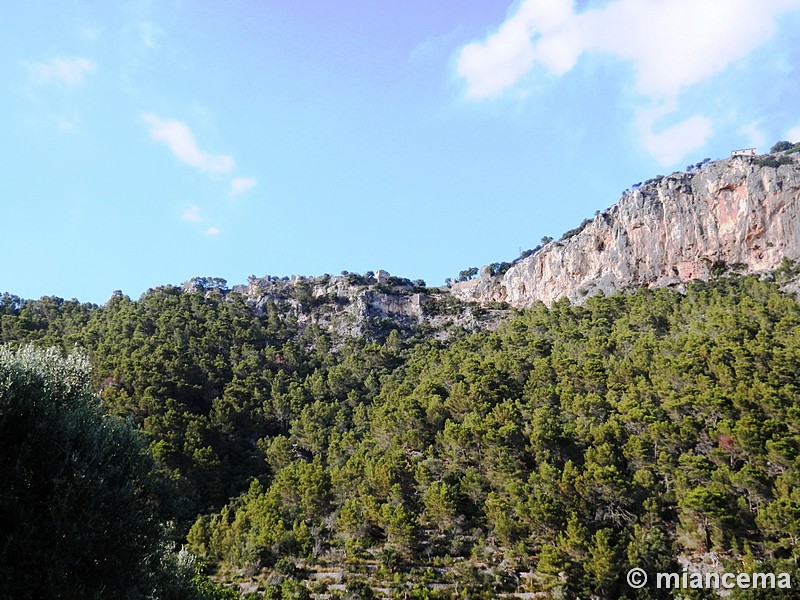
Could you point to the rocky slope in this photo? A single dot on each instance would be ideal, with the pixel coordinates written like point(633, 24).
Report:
point(368, 305)
point(739, 214)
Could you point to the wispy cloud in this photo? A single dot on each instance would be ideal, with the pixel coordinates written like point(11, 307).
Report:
point(66, 125)
point(62, 70)
point(240, 185)
point(672, 143)
point(192, 214)
point(89, 33)
point(150, 34)
point(180, 140)
point(793, 135)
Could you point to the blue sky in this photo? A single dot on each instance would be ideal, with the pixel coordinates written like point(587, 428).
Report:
point(149, 142)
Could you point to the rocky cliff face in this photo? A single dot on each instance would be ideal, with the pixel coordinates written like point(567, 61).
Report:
point(740, 214)
point(732, 214)
point(371, 306)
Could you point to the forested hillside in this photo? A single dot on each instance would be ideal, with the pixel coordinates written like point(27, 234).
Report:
point(551, 454)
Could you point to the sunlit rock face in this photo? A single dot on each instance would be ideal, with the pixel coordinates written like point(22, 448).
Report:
point(732, 214)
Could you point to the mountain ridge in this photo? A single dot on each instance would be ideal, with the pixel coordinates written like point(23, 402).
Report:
point(740, 213)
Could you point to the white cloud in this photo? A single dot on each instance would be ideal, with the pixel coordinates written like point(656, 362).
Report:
point(491, 66)
point(433, 48)
point(672, 43)
point(679, 43)
point(240, 185)
point(672, 143)
point(793, 135)
point(192, 214)
point(180, 140)
point(68, 72)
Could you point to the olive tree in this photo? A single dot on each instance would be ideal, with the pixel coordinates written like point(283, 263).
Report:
point(79, 504)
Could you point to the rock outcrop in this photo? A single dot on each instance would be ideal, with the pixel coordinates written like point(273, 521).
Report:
point(736, 214)
point(371, 305)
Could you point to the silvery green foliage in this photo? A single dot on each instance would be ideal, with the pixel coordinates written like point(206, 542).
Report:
point(76, 485)
point(78, 493)
point(59, 376)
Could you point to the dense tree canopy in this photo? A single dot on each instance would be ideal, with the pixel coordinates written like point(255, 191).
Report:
point(80, 505)
point(572, 442)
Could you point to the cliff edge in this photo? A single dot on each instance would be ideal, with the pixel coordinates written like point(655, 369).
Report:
point(741, 213)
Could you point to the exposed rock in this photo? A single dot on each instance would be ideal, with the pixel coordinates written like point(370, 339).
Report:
point(484, 290)
point(371, 308)
point(732, 214)
point(740, 214)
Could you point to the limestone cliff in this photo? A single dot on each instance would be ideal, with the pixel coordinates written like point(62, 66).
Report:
point(370, 305)
point(740, 214)
point(735, 214)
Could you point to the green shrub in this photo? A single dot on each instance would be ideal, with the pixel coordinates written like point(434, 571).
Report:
point(79, 506)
